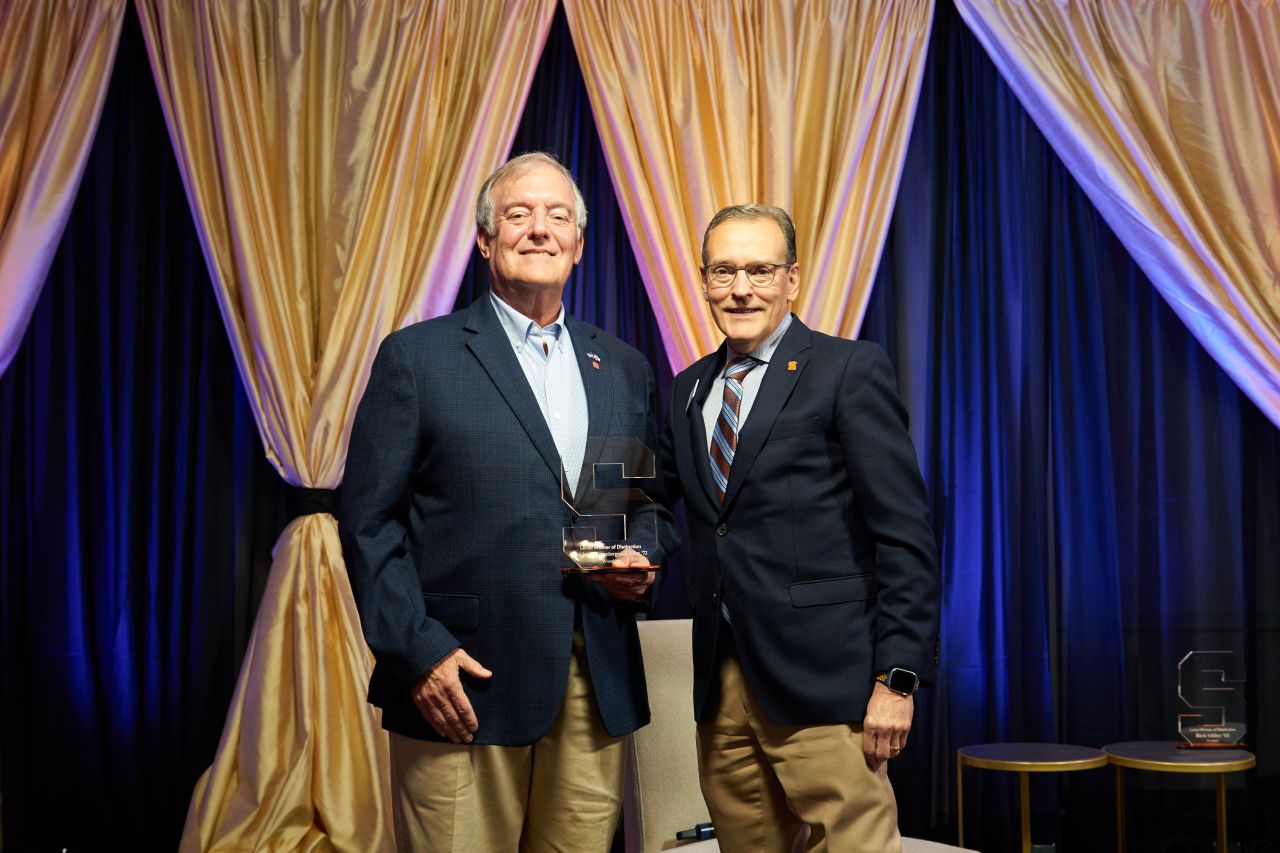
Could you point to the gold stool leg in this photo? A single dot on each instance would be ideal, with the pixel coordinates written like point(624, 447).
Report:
point(960, 798)
point(1024, 786)
point(1119, 809)
point(1222, 813)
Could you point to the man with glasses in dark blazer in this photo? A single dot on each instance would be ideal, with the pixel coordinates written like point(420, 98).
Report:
point(814, 583)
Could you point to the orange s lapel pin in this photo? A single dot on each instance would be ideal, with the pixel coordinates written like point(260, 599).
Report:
point(791, 365)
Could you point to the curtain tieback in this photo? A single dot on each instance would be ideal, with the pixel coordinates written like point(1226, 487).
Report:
point(304, 501)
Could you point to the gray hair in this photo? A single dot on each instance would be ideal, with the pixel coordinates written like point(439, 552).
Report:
point(751, 213)
point(517, 166)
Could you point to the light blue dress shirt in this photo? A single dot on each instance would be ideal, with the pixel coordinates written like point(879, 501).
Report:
point(555, 379)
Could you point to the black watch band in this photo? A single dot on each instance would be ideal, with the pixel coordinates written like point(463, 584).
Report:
point(899, 680)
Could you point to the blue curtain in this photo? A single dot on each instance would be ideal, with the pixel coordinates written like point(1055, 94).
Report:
point(137, 510)
point(1105, 498)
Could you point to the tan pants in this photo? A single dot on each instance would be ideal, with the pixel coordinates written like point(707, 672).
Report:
point(562, 793)
point(786, 788)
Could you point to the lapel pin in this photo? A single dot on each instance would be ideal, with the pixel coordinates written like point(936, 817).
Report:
point(791, 365)
point(595, 360)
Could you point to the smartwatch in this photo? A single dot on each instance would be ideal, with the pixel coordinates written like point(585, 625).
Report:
point(901, 681)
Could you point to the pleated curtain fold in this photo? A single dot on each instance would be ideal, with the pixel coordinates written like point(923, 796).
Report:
point(706, 103)
point(57, 60)
point(331, 154)
point(1168, 114)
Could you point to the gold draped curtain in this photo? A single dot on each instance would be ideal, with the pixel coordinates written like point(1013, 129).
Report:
point(331, 154)
point(1168, 114)
point(804, 104)
point(57, 60)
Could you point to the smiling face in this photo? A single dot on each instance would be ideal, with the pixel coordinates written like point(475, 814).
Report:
point(536, 241)
point(748, 314)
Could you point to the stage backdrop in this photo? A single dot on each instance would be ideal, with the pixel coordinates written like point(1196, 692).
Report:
point(1104, 496)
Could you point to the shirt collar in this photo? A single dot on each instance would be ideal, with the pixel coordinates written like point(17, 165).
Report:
point(520, 328)
point(765, 351)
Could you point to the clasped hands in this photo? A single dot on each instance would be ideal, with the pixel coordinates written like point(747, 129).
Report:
point(630, 586)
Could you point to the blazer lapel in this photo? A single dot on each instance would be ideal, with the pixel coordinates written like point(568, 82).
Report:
point(779, 381)
point(598, 385)
point(699, 441)
point(492, 348)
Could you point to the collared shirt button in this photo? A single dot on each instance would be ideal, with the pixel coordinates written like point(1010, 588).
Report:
point(722, 530)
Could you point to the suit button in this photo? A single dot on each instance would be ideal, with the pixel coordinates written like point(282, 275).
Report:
point(715, 598)
point(722, 530)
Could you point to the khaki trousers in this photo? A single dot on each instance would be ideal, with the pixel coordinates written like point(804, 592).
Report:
point(788, 788)
point(562, 793)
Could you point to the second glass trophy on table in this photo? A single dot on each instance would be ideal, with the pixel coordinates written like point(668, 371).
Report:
point(614, 517)
point(1211, 686)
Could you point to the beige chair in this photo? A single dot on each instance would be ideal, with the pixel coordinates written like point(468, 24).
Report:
point(661, 795)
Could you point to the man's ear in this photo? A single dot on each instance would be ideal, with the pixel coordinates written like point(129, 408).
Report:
point(483, 242)
point(793, 282)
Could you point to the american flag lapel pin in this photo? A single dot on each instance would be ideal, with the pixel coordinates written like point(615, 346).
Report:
point(791, 365)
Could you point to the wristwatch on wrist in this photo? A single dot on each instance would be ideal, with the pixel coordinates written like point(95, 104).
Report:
point(899, 680)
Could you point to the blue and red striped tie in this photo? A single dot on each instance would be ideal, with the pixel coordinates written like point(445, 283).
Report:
point(724, 439)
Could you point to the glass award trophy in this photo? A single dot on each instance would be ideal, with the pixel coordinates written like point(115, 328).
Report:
point(611, 510)
point(1211, 687)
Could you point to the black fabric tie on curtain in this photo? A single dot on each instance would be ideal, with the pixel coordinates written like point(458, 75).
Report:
point(304, 501)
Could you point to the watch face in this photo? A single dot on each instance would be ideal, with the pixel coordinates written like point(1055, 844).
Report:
point(902, 681)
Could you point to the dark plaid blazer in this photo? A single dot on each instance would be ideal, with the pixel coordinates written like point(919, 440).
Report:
point(822, 548)
point(451, 516)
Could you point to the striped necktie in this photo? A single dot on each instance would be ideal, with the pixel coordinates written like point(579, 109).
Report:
point(724, 439)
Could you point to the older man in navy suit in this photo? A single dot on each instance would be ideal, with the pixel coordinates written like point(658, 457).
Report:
point(814, 586)
point(507, 688)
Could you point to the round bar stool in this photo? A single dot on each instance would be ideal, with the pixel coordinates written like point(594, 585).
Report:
point(1166, 757)
point(1023, 759)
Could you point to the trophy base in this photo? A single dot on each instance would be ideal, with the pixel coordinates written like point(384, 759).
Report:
point(608, 570)
point(1237, 745)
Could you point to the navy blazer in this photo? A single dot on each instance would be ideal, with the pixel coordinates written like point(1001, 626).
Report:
point(451, 517)
point(822, 548)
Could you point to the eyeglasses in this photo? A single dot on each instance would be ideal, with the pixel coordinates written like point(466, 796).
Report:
point(759, 274)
